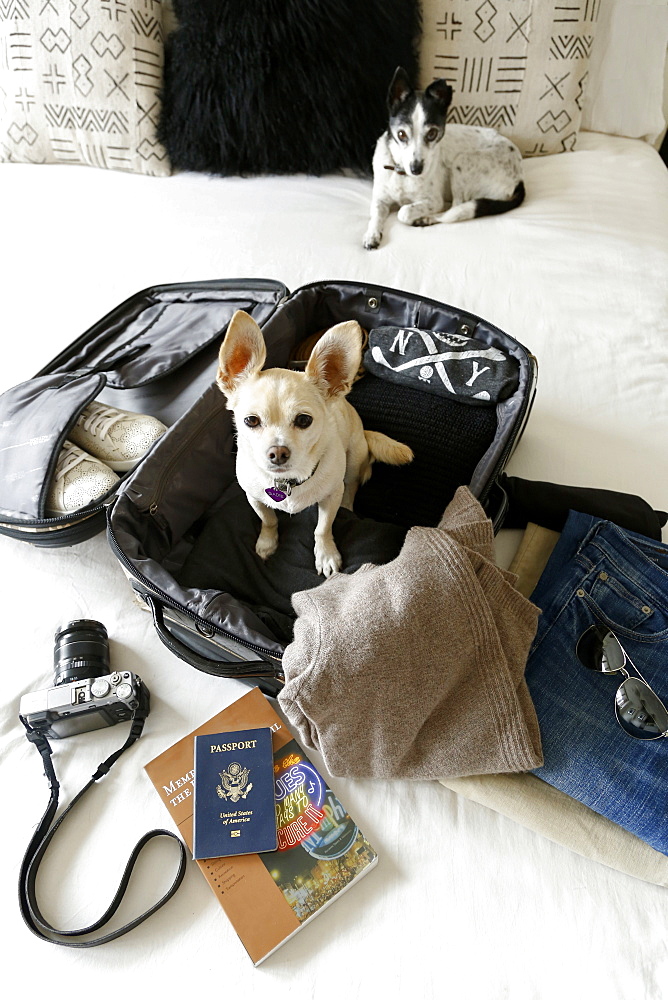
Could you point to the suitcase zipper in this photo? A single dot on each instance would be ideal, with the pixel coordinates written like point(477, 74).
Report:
point(419, 299)
point(48, 524)
point(150, 586)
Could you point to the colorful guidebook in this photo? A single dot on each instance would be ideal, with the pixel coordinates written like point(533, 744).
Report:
point(321, 852)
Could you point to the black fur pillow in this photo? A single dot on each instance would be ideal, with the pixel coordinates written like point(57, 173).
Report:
point(282, 86)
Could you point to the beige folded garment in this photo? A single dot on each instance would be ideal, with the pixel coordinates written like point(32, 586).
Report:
point(532, 556)
point(533, 803)
point(415, 669)
point(547, 810)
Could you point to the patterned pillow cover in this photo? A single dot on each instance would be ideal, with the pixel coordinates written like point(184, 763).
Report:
point(80, 83)
point(519, 66)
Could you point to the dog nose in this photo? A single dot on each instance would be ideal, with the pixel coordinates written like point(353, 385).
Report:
point(417, 167)
point(278, 455)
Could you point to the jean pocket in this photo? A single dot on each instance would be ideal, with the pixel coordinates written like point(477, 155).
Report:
point(636, 613)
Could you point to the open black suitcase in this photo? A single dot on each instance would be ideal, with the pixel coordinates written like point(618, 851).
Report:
point(156, 353)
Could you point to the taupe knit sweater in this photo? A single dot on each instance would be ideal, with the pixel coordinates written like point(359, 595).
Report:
point(415, 669)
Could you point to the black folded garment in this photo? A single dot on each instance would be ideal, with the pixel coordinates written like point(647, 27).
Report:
point(448, 442)
point(548, 504)
point(447, 364)
point(224, 558)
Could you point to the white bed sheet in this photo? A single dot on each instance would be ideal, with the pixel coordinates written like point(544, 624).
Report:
point(464, 901)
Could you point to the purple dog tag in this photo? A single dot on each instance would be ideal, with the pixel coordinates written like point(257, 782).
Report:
point(276, 494)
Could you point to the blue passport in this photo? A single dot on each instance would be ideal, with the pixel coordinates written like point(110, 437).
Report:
point(235, 810)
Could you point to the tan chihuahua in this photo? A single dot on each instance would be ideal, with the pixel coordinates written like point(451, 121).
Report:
point(299, 441)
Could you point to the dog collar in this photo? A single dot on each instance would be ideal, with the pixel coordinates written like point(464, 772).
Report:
point(282, 488)
point(393, 166)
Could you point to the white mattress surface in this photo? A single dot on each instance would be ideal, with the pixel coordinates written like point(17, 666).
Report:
point(464, 901)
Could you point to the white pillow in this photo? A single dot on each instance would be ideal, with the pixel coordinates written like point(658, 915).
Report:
point(624, 93)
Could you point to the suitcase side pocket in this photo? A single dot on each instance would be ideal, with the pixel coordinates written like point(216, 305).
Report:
point(159, 331)
point(236, 669)
point(35, 417)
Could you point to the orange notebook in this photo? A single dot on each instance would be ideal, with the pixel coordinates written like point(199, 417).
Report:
point(321, 852)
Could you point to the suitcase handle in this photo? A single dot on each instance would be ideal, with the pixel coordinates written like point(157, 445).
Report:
point(219, 668)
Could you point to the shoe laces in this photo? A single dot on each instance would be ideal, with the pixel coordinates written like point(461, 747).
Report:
point(99, 421)
point(70, 456)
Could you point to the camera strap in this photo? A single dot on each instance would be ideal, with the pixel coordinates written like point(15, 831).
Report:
point(44, 834)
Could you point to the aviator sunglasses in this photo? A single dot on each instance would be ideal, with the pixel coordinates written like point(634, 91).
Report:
point(640, 712)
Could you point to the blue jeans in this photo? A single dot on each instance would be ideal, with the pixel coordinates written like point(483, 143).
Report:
point(599, 572)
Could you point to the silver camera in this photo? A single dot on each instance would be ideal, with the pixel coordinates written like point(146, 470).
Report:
point(87, 694)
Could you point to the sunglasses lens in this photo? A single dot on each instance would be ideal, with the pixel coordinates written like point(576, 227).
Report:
point(613, 655)
point(597, 649)
point(639, 711)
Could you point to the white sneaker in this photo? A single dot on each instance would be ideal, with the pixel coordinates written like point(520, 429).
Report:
point(79, 479)
point(117, 437)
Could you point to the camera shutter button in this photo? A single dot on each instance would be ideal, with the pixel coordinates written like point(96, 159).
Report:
point(99, 688)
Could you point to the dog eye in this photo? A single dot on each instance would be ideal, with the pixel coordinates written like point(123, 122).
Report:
point(402, 136)
point(431, 134)
point(252, 421)
point(303, 420)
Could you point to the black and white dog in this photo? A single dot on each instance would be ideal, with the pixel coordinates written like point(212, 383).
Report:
point(420, 166)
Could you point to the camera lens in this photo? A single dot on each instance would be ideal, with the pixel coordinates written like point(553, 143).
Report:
point(81, 650)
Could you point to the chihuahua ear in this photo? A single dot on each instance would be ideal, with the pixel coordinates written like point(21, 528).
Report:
point(336, 358)
point(441, 92)
point(242, 352)
point(400, 88)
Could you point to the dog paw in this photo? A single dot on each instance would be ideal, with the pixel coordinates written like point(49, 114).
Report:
point(327, 558)
point(372, 242)
point(267, 542)
point(413, 215)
